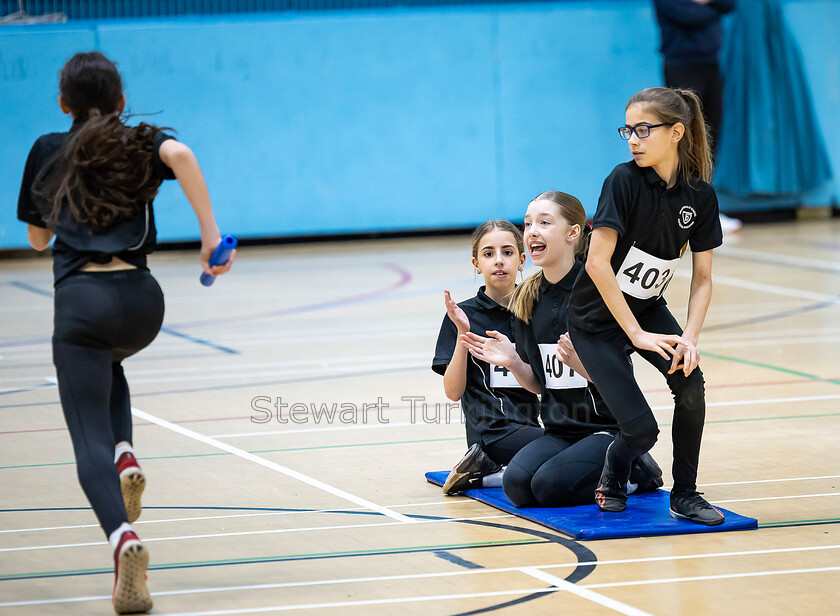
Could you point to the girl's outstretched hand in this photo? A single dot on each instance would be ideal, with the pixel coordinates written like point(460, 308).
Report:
point(496, 349)
point(456, 315)
point(690, 359)
point(664, 344)
point(207, 248)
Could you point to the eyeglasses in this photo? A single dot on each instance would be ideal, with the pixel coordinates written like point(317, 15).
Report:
point(642, 130)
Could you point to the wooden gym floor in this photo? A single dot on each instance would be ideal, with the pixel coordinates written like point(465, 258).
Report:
point(249, 513)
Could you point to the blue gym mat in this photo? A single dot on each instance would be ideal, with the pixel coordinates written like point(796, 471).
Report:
point(646, 516)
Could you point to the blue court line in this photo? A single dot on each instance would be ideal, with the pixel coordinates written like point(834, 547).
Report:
point(768, 317)
point(30, 288)
point(177, 334)
point(457, 560)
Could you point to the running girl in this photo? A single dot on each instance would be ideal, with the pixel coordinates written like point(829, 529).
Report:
point(649, 210)
point(562, 467)
point(501, 416)
point(92, 188)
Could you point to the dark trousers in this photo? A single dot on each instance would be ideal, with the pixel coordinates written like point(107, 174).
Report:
point(604, 356)
point(554, 472)
point(502, 450)
point(100, 319)
point(707, 82)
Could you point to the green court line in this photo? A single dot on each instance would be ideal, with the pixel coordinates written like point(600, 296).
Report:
point(799, 522)
point(758, 364)
point(258, 559)
point(205, 455)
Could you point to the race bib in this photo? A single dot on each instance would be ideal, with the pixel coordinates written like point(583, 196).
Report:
point(502, 377)
point(557, 374)
point(644, 276)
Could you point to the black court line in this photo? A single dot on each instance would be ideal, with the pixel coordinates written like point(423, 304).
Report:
point(201, 341)
point(457, 560)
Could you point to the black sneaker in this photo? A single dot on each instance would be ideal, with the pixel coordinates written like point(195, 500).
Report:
point(694, 508)
point(611, 493)
point(646, 474)
point(468, 472)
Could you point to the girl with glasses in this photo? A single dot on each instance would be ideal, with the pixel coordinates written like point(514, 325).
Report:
point(649, 211)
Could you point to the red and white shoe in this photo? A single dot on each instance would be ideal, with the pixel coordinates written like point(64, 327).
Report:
point(130, 563)
point(132, 484)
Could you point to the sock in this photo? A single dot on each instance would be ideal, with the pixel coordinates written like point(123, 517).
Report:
point(494, 480)
point(120, 450)
point(631, 487)
point(114, 538)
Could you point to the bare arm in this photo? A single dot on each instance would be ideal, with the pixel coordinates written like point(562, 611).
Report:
point(567, 354)
point(184, 165)
point(698, 305)
point(455, 377)
point(601, 248)
point(39, 238)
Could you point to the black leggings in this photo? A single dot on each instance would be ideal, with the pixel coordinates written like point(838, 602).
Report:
point(100, 319)
point(502, 450)
point(554, 472)
point(604, 356)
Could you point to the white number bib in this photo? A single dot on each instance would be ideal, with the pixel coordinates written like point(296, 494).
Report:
point(557, 374)
point(644, 276)
point(502, 377)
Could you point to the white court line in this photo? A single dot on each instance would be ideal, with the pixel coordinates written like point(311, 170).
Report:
point(244, 533)
point(766, 498)
point(245, 455)
point(700, 578)
point(761, 401)
point(436, 575)
point(318, 606)
point(330, 429)
point(766, 288)
point(774, 257)
point(738, 483)
point(584, 593)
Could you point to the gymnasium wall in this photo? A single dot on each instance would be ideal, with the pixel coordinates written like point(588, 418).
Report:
point(377, 120)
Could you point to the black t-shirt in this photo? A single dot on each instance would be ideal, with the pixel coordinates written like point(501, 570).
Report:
point(571, 406)
point(654, 223)
point(75, 244)
point(493, 402)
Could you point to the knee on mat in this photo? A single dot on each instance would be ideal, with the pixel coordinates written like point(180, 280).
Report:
point(572, 485)
point(517, 485)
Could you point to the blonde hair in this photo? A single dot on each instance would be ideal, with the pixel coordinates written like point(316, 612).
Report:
point(571, 209)
point(673, 105)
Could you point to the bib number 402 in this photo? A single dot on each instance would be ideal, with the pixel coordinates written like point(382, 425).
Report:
point(644, 276)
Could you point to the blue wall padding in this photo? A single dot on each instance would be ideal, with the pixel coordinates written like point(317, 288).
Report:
point(380, 120)
point(646, 516)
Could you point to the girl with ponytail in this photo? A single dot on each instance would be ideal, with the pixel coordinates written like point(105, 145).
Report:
point(562, 467)
point(92, 188)
point(650, 210)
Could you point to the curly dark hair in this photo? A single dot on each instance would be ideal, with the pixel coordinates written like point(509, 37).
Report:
point(104, 171)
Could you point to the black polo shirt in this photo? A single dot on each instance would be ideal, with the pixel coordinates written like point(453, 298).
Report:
point(493, 402)
point(75, 244)
point(654, 223)
point(571, 407)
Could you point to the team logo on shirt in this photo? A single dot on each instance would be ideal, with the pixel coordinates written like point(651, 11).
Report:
point(687, 216)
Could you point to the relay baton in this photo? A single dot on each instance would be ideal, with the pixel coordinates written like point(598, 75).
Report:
point(220, 256)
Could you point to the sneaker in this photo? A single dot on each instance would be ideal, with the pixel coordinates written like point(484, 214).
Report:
point(130, 563)
point(611, 493)
point(694, 508)
point(468, 472)
point(645, 472)
point(132, 484)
